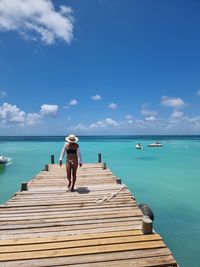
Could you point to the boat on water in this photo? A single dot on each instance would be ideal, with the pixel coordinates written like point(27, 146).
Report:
point(156, 144)
point(3, 160)
point(138, 146)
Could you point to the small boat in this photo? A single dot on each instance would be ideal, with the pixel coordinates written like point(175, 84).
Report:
point(156, 144)
point(138, 146)
point(3, 160)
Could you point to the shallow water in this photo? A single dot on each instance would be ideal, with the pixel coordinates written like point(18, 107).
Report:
point(166, 178)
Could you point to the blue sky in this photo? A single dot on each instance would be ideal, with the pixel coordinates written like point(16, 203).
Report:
point(99, 67)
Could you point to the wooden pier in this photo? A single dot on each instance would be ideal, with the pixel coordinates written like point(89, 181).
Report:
point(99, 224)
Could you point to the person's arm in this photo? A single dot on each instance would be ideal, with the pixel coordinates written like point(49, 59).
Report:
point(62, 154)
point(79, 157)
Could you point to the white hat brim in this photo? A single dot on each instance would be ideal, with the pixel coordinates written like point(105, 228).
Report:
point(70, 141)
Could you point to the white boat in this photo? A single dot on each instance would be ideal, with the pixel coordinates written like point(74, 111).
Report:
point(138, 146)
point(156, 144)
point(3, 160)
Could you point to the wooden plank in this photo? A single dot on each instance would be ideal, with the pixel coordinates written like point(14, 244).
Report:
point(91, 258)
point(69, 231)
point(164, 261)
point(80, 243)
point(80, 250)
point(76, 226)
point(55, 212)
point(62, 222)
point(25, 211)
point(56, 216)
point(70, 238)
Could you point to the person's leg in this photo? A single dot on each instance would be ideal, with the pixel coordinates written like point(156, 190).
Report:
point(74, 169)
point(68, 170)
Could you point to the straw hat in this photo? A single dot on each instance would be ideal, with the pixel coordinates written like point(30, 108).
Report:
point(71, 138)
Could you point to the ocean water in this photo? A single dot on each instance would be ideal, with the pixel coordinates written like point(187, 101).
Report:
point(167, 178)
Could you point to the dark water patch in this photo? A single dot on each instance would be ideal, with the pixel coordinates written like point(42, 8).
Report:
point(147, 158)
point(2, 169)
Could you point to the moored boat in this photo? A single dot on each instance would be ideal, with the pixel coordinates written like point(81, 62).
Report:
point(138, 146)
point(3, 160)
point(156, 144)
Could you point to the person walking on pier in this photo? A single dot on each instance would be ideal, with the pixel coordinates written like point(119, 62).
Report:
point(74, 158)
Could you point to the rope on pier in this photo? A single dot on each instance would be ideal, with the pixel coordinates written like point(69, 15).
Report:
point(107, 198)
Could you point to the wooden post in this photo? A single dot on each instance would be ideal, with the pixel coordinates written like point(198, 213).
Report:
point(99, 157)
point(52, 159)
point(104, 166)
point(24, 186)
point(147, 225)
point(46, 167)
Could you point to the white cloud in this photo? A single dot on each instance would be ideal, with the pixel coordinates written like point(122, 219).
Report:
point(79, 127)
point(111, 122)
point(198, 92)
point(13, 115)
point(2, 94)
point(177, 123)
point(98, 124)
point(33, 119)
point(147, 112)
point(112, 105)
point(151, 118)
point(172, 102)
point(129, 117)
point(35, 19)
point(10, 114)
point(108, 122)
point(49, 110)
point(177, 114)
point(96, 97)
point(73, 102)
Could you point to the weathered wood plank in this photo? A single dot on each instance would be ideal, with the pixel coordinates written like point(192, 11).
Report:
point(70, 238)
point(80, 243)
point(81, 250)
point(91, 258)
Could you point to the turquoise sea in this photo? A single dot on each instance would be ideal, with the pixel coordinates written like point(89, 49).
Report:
point(167, 178)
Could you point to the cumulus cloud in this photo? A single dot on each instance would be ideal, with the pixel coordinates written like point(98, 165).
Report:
point(79, 127)
point(36, 19)
point(11, 114)
point(112, 105)
point(198, 92)
point(33, 119)
point(2, 94)
point(73, 102)
point(177, 114)
point(96, 97)
point(49, 110)
point(177, 123)
point(147, 112)
point(129, 117)
point(172, 102)
point(151, 118)
point(108, 122)
point(111, 122)
point(102, 125)
point(98, 124)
